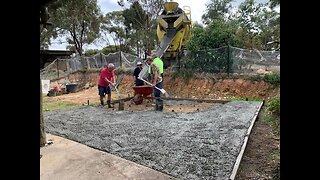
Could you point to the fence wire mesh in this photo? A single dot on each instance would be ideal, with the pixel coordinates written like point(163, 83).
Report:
point(225, 59)
point(62, 67)
point(230, 59)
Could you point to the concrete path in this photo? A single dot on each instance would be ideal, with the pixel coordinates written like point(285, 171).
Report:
point(66, 159)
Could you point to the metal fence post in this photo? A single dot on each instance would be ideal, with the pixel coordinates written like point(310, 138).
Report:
point(228, 59)
point(58, 67)
point(120, 57)
point(101, 59)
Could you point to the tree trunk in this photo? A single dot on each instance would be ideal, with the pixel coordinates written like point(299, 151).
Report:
point(43, 139)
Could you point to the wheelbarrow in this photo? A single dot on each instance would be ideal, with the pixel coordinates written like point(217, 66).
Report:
point(141, 92)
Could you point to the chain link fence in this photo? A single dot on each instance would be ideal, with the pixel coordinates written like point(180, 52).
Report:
point(233, 60)
point(60, 68)
point(225, 59)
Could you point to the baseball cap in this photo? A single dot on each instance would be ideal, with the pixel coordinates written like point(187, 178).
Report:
point(139, 63)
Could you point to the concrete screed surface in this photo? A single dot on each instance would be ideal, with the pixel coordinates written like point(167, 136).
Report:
point(194, 145)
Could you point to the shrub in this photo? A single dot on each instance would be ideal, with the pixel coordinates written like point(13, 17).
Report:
point(273, 78)
point(273, 105)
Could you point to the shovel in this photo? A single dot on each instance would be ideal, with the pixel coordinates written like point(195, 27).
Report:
point(161, 90)
point(121, 103)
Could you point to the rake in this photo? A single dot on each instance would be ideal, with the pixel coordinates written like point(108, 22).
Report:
point(161, 90)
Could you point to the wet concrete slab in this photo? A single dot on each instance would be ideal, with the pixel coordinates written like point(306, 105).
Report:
point(194, 145)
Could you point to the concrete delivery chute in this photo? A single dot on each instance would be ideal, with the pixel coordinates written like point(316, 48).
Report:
point(173, 32)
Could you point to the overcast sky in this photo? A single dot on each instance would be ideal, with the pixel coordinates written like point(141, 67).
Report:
point(197, 9)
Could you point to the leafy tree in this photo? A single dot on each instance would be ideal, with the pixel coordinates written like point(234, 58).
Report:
point(198, 38)
point(269, 24)
point(91, 52)
point(216, 34)
point(141, 19)
point(45, 38)
point(113, 27)
point(136, 21)
point(248, 19)
point(78, 19)
point(109, 49)
point(274, 3)
point(135, 17)
point(216, 9)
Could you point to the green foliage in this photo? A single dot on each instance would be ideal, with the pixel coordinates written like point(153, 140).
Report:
point(257, 77)
point(213, 60)
point(273, 78)
point(137, 22)
point(273, 105)
point(185, 74)
point(216, 34)
point(248, 20)
point(273, 121)
point(135, 17)
point(268, 22)
point(216, 9)
point(140, 23)
point(117, 25)
point(113, 25)
point(274, 3)
point(49, 106)
point(91, 52)
point(110, 49)
point(78, 19)
point(252, 26)
point(271, 114)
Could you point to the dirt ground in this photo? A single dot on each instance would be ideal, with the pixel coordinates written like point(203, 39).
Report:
point(261, 157)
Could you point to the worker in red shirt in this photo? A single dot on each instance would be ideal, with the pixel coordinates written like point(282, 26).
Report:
point(107, 76)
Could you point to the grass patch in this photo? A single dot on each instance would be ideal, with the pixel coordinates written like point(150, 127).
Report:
point(49, 106)
point(272, 115)
point(274, 122)
point(273, 105)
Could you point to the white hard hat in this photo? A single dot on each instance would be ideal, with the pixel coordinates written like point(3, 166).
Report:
point(139, 63)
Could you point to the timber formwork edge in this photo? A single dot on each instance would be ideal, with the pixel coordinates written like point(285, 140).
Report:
point(238, 160)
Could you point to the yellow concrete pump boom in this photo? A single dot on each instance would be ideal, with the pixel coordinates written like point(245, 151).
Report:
point(173, 32)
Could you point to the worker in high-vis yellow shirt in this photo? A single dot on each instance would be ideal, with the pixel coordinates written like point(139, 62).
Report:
point(157, 60)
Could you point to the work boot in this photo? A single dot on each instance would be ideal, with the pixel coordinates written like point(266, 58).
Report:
point(156, 107)
point(102, 103)
point(160, 108)
point(159, 105)
point(109, 104)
